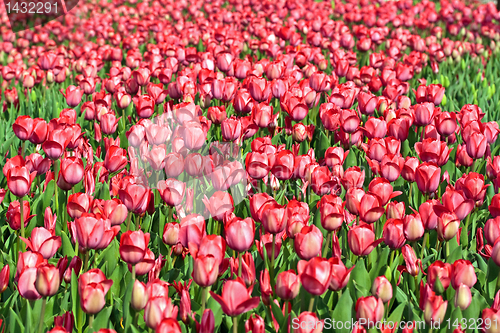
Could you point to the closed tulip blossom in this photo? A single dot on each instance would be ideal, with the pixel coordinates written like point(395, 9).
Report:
point(308, 242)
point(93, 287)
point(439, 271)
point(315, 275)
point(19, 180)
point(48, 280)
point(463, 273)
point(287, 285)
point(370, 310)
point(239, 233)
point(382, 288)
point(361, 240)
point(393, 233)
point(133, 246)
point(172, 191)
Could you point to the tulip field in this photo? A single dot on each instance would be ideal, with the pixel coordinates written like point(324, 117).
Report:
point(250, 166)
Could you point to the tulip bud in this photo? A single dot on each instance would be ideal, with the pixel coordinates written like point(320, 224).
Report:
point(48, 280)
point(369, 310)
point(139, 296)
point(287, 285)
point(4, 278)
point(463, 297)
point(382, 288)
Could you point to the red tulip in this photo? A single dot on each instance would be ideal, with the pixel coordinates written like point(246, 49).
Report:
point(116, 159)
point(192, 229)
point(135, 197)
point(370, 208)
point(168, 325)
point(13, 214)
point(434, 309)
point(307, 322)
point(476, 145)
point(439, 271)
point(369, 311)
point(315, 275)
point(93, 287)
point(171, 233)
point(413, 227)
point(472, 184)
point(427, 177)
point(393, 234)
point(433, 151)
point(411, 260)
point(23, 127)
point(94, 233)
point(332, 212)
point(247, 268)
point(43, 242)
point(205, 270)
point(463, 273)
point(236, 298)
point(220, 204)
point(4, 278)
point(133, 245)
point(265, 286)
point(287, 285)
point(283, 165)
point(172, 191)
point(340, 274)
point(239, 233)
point(159, 308)
point(274, 218)
point(144, 105)
point(382, 288)
point(72, 170)
point(19, 180)
point(73, 96)
point(308, 242)
point(361, 240)
point(352, 200)
point(447, 226)
point(255, 324)
point(48, 280)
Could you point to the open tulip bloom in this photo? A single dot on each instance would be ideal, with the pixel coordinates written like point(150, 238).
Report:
point(257, 166)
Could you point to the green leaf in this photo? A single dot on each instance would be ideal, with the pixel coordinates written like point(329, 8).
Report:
point(126, 307)
point(360, 279)
point(67, 247)
point(278, 314)
point(491, 279)
point(382, 261)
point(396, 315)
point(102, 319)
point(343, 310)
point(455, 318)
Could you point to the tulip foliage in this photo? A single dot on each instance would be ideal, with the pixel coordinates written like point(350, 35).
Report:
point(251, 166)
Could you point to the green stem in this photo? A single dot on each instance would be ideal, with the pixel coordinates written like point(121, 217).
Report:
point(327, 244)
point(464, 236)
point(272, 261)
point(21, 206)
point(235, 324)
point(129, 217)
point(311, 304)
point(447, 249)
point(86, 263)
point(392, 258)
point(240, 261)
point(204, 292)
point(56, 175)
point(133, 274)
point(424, 245)
point(42, 315)
point(91, 321)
